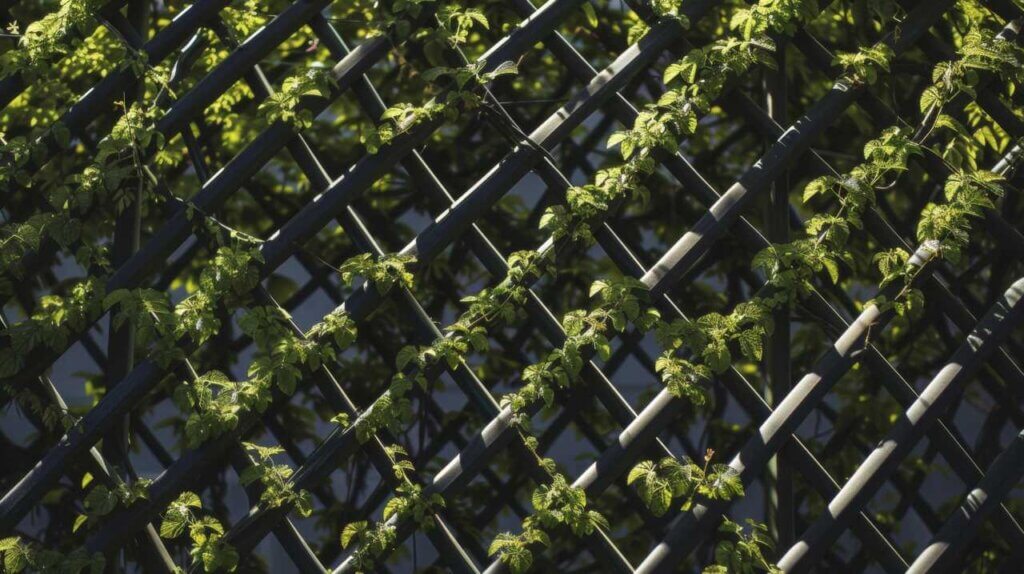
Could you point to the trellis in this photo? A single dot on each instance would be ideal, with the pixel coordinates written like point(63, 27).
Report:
point(985, 343)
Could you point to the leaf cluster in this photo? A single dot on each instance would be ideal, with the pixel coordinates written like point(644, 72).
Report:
point(50, 38)
point(205, 533)
point(384, 272)
point(555, 504)
point(620, 301)
point(286, 105)
point(744, 553)
point(408, 502)
point(659, 483)
point(276, 480)
point(103, 499)
point(19, 556)
point(712, 336)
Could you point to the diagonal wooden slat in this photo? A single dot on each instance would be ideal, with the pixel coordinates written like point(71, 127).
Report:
point(996, 325)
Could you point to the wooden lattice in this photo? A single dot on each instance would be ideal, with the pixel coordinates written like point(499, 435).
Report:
point(442, 190)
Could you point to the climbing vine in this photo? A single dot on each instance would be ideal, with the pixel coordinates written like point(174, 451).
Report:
point(67, 188)
point(21, 557)
point(205, 533)
point(49, 38)
point(790, 268)
point(408, 502)
point(275, 479)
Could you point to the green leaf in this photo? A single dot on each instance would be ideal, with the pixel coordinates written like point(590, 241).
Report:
point(832, 267)
point(15, 555)
point(717, 357)
point(930, 97)
point(816, 187)
point(591, 14)
point(514, 554)
point(508, 68)
point(750, 344)
point(61, 134)
point(393, 506)
point(100, 501)
point(172, 527)
point(407, 354)
point(250, 475)
point(352, 531)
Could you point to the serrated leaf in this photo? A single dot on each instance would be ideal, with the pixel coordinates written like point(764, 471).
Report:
point(406, 355)
point(172, 527)
point(351, 531)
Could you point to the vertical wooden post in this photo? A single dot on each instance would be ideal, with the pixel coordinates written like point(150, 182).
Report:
point(781, 511)
point(121, 339)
